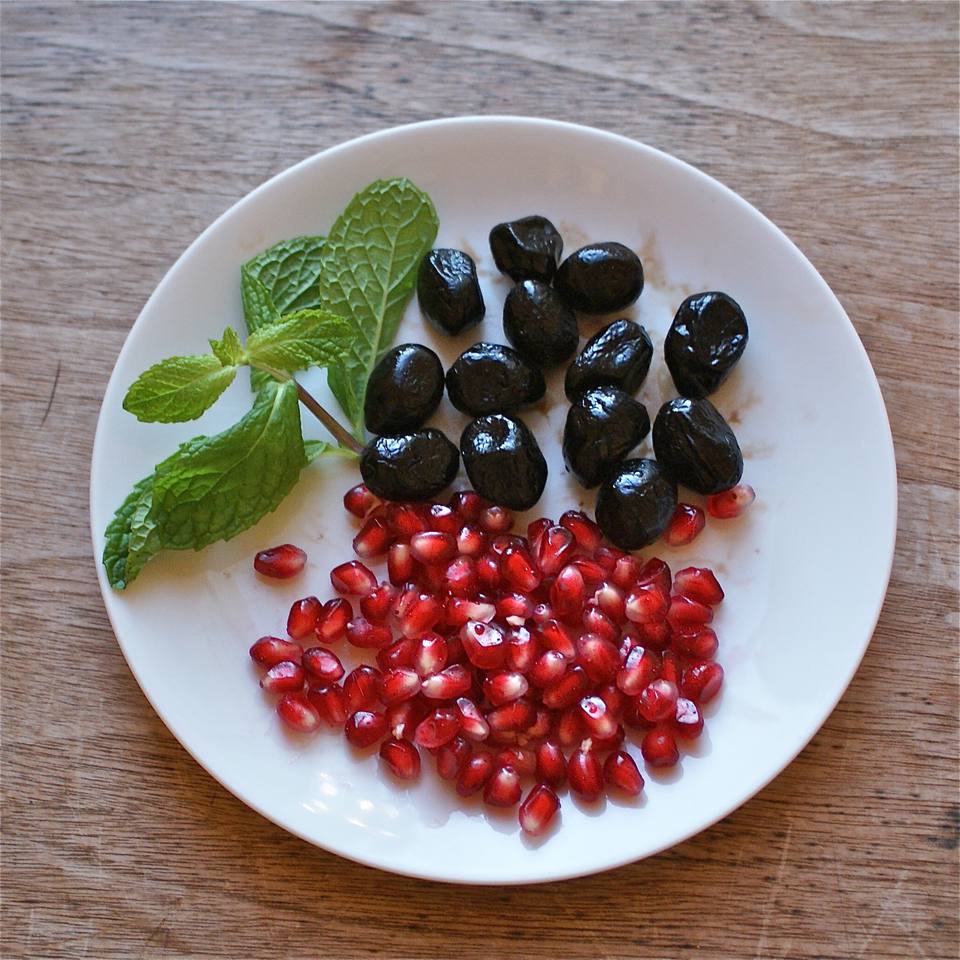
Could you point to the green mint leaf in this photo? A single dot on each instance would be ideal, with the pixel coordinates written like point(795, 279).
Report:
point(314, 449)
point(367, 273)
point(215, 487)
point(178, 389)
point(229, 350)
point(307, 338)
point(122, 558)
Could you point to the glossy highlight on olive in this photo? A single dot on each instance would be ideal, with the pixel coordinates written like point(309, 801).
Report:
point(541, 327)
point(636, 503)
point(493, 378)
point(526, 249)
point(404, 389)
point(410, 466)
point(600, 278)
point(503, 461)
point(448, 290)
point(618, 355)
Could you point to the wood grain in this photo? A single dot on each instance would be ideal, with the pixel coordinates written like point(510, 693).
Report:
point(128, 127)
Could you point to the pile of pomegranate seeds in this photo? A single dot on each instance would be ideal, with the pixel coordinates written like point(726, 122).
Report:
point(511, 659)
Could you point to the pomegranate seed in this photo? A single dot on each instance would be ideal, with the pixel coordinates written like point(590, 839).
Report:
point(559, 637)
point(641, 667)
point(658, 700)
point(455, 652)
point(422, 615)
point(504, 686)
point(535, 532)
point(484, 645)
point(702, 682)
point(470, 541)
point(549, 667)
point(537, 810)
point(472, 723)
point(322, 665)
point(567, 690)
point(600, 745)
point(360, 501)
point(683, 610)
point(659, 748)
point(568, 594)
point(432, 546)
point(468, 504)
point(654, 573)
point(488, 571)
point(570, 727)
point(515, 608)
point(365, 727)
point(555, 547)
point(281, 562)
point(334, 617)
point(398, 654)
point(698, 583)
point(398, 684)
point(670, 667)
point(474, 774)
point(284, 677)
point(452, 682)
point(625, 571)
point(551, 765)
point(451, 758)
point(598, 657)
point(431, 654)
point(437, 728)
point(540, 726)
point(595, 621)
point(611, 601)
point(298, 713)
point(521, 650)
point(459, 611)
point(496, 519)
point(402, 758)
point(523, 761)
point(269, 651)
point(590, 570)
point(330, 702)
point(362, 688)
point(373, 539)
point(655, 634)
point(646, 604)
point(687, 721)
point(303, 616)
point(362, 633)
point(701, 645)
point(684, 526)
point(584, 775)
point(403, 717)
point(401, 567)
point(512, 717)
point(614, 698)
point(587, 534)
point(405, 519)
point(596, 717)
point(353, 578)
point(607, 557)
point(730, 503)
point(503, 788)
point(542, 613)
point(376, 604)
point(518, 570)
point(460, 578)
point(620, 770)
point(631, 714)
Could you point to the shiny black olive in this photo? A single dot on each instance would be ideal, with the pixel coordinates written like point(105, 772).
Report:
point(600, 278)
point(618, 356)
point(537, 322)
point(635, 505)
point(492, 378)
point(696, 446)
point(602, 427)
point(503, 461)
point(448, 290)
point(705, 340)
point(526, 249)
point(410, 466)
point(404, 389)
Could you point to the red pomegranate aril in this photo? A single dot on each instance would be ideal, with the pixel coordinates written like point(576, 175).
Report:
point(569, 727)
point(701, 645)
point(551, 765)
point(659, 748)
point(330, 702)
point(535, 531)
point(595, 621)
point(296, 711)
point(614, 698)
point(460, 578)
point(376, 605)
point(512, 717)
point(557, 636)
point(658, 700)
point(443, 519)
point(484, 645)
point(542, 613)
point(597, 718)
point(685, 525)
point(598, 657)
point(504, 686)
point(401, 683)
point(431, 654)
point(406, 519)
point(538, 809)
point(373, 539)
point(303, 617)
point(518, 570)
point(587, 534)
point(687, 720)
point(360, 501)
point(521, 650)
point(475, 773)
point(641, 667)
point(515, 608)
point(472, 723)
point(607, 557)
point(488, 572)
point(555, 548)
point(451, 758)
point(459, 611)
point(455, 652)
point(322, 665)
point(332, 623)
point(584, 775)
point(280, 563)
point(269, 651)
point(611, 601)
point(631, 715)
point(401, 757)
point(403, 717)
point(590, 570)
point(522, 760)
point(647, 604)
point(698, 583)
point(601, 745)
point(353, 578)
point(433, 578)
point(432, 547)
point(625, 571)
point(656, 634)
point(701, 682)
point(284, 677)
point(496, 519)
point(365, 727)
point(362, 688)
point(549, 667)
point(471, 541)
point(683, 610)
point(468, 504)
point(398, 654)
point(401, 567)
point(567, 690)
point(670, 667)
point(437, 728)
point(451, 682)
point(655, 573)
point(362, 633)
point(422, 615)
point(730, 503)
point(568, 593)
point(540, 726)
point(620, 770)
point(503, 788)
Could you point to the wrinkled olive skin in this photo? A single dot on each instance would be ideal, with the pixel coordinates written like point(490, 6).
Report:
point(492, 378)
point(404, 389)
point(503, 461)
point(636, 503)
point(448, 291)
point(602, 427)
point(410, 466)
point(619, 355)
point(600, 278)
point(696, 446)
point(542, 329)
point(526, 249)
point(704, 343)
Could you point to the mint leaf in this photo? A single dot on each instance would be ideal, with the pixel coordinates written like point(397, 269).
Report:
point(314, 449)
point(368, 268)
point(178, 389)
point(117, 550)
point(307, 338)
point(229, 350)
point(215, 487)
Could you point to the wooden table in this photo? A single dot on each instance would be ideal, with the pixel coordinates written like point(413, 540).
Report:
point(127, 128)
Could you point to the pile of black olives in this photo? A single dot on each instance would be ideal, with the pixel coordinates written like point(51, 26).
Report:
point(694, 445)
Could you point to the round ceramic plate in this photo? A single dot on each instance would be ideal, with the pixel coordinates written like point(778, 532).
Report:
point(804, 402)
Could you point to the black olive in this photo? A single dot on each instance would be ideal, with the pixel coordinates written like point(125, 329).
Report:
point(704, 343)
point(492, 378)
point(602, 427)
point(600, 278)
point(618, 356)
point(503, 461)
point(635, 505)
point(448, 290)
point(696, 446)
point(404, 389)
point(411, 466)
point(526, 249)
point(537, 322)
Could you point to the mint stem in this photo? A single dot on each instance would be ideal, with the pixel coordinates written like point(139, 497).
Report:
point(342, 436)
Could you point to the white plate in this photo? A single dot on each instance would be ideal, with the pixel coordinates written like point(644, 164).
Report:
point(805, 570)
